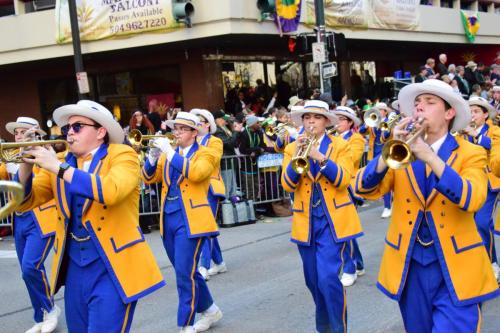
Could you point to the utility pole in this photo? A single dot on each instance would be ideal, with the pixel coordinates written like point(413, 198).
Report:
point(81, 75)
point(319, 9)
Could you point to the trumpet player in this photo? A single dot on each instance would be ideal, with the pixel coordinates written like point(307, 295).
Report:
point(34, 236)
point(186, 217)
point(434, 263)
point(495, 168)
point(324, 216)
point(100, 254)
point(376, 140)
point(347, 120)
point(217, 191)
point(481, 134)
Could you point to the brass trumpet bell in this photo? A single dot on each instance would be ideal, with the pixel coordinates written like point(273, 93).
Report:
point(136, 138)
point(17, 195)
point(372, 118)
point(280, 130)
point(397, 153)
point(10, 152)
point(300, 162)
point(387, 126)
point(472, 125)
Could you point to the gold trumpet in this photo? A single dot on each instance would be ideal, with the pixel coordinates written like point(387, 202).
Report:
point(10, 151)
point(372, 118)
point(397, 153)
point(332, 131)
point(472, 125)
point(300, 162)
point(15, 199)
point(387, 126)
point(496, 120)
point(135, 137)
point(280, 130)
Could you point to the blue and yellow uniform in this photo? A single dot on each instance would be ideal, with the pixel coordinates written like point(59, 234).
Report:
point(101, 256)
point(211, 248)
point(434, 262)
point(484, 216)
point(186, 182)
point(324, 219)
point(34, 236)
point(495, 167)
point(353, 260)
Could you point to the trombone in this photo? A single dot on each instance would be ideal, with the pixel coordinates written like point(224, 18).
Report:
point(387, 126)
point(17, 191)
point(300, 162)
point(10, 153)
point(135, 137)
point(372, 118)
point(397, 153)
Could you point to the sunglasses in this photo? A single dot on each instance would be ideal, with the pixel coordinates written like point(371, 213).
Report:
point(76, 127)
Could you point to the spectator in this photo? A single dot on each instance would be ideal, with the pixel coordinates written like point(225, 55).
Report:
point(262, 90)
point(452, 71)
point(445, 78)
point(476, 90)
point(356, 84)
point(469, 74)
point(481, 69)
point(422, 75)
point(454, 85)
point(463, 85)
point(429, 65)
point(141, 123)
point(441, 67)
point(284, 90)
point(495, 75)
point(153, 115)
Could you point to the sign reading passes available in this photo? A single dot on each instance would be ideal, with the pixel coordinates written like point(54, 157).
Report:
point(98, 19)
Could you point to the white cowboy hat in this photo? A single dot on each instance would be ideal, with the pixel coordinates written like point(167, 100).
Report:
point(316, 107)
point(471, 64)
point(94, 111)
point(395, 105)
point(479, 101)
point(383, 106)
point(347, 112)
point(209, 117)
point(292, 101)
point(438, 88)
point(186, 119)
point(24, 122)
point(496, 89)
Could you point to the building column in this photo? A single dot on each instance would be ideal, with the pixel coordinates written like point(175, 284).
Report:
point(214, 90)
point(345, 77)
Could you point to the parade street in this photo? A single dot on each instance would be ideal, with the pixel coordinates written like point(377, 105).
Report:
point(263, 290)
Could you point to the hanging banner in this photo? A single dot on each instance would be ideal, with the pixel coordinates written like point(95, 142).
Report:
point(341, 13)
point(288, 15)
point(98, 19)
point(395, 14)
point(471, 25)
point(364, 14)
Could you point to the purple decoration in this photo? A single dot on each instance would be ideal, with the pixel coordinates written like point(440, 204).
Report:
point(289, 25)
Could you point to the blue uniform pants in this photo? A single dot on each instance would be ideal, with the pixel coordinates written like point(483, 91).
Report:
point(184, 253)
point(485, 224)
point(92, 303)
point(353, 260)
point(322, 262)
point(387, 200)
point(32, 250)
point(426, 305)
point(211, 251)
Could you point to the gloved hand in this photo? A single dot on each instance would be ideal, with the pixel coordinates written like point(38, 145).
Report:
point(293, 133)
point(163, 144)
point(153, 155)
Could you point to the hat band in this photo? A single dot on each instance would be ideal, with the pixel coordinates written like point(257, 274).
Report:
point(25, 122)
point(185, 121)
point(315, 109)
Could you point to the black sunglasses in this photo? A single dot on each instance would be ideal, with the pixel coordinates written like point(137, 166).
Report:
point(76, 127)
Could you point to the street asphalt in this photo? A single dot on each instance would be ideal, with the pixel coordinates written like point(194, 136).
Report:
point(262, 292)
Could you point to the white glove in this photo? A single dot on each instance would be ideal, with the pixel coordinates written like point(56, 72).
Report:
point(12, 168)
point(154, 155)
point(163, 144)
point(293, 133)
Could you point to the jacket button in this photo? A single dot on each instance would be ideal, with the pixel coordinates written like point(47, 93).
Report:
point(407, 200)
point(307, 191)
point(442, 214)
point(324, 189)
point(59, 218)
point(443, 202)
point(410, 222)
point(102, 217)
point(99, 229)
point(408, 212)
point(441, 226)
point(105, 207)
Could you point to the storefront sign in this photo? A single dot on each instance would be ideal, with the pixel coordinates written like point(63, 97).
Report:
point(395, 14)
point(98, 19)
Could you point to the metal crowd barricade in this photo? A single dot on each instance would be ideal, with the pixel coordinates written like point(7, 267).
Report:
point(3, 200)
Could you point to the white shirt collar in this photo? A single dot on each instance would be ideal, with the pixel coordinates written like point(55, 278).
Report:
point(343, 134)
point(437, 145)
point(185, 151)
point(479, 129)
point(86, 164)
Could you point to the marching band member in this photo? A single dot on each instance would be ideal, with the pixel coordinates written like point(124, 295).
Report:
point(347, 120)
point(186, 216)
point(434, 263)
point(324, 216)
point(481, 111)
point(211, 248)
point(495, 168)
point(376, 139)
point(101, 255)
point(290, 136)
point(34, 236)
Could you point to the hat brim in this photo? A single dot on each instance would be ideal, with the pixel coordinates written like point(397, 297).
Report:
point(297, 116)
point(115, 132)
point(409, 93)
point(171, 123)
point(11, 127)
point(492, 112)
point(213, 126)
point(355, 119)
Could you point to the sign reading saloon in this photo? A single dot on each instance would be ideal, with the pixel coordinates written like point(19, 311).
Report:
point(98, 19)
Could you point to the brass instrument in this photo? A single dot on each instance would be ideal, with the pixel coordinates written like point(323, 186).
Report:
point(10, 151)
point(280, 130)
point(372, 118)
point(332, 131)
point(397, 153)
point(496, 120)
point(300, 162)
point(135, 137)
point(15, 199)
point(472, 125)
point(387, 126)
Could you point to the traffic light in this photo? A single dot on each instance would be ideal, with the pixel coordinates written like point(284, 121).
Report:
point(292, 43)
point(266, 7)
point(183, 10)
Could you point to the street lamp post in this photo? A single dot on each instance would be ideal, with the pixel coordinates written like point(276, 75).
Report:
point(77, 51)
point(319, 9)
